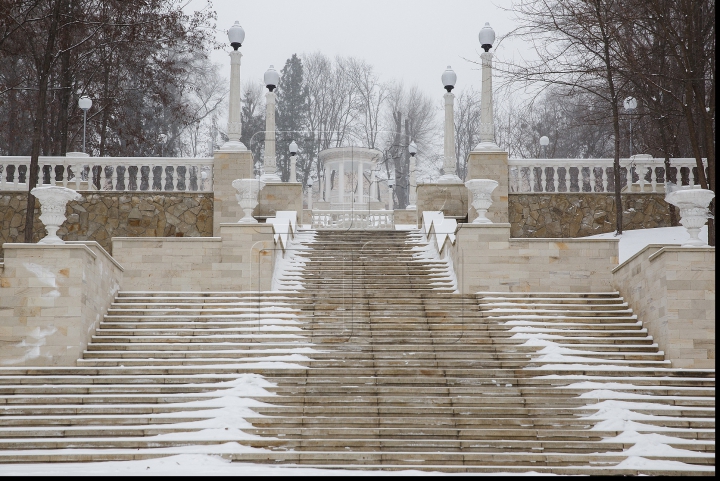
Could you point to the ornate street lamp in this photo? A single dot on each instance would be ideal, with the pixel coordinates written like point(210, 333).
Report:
point(630, 104)
point(412, 150)
point(487, 128)
point(544, 142)
point(84, 103)
point(449, 176)
point(236, 35)
point(293, 148)
point(272, 78)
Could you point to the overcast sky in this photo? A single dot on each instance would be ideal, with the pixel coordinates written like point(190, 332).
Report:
point(412, 40)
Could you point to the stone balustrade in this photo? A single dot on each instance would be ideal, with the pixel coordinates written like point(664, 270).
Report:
point(125, 174)
point(596, 175)
point(352, 219)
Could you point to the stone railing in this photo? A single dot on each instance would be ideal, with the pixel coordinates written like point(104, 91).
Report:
point(166, 174)
point(596, 175)
point(349, 198)
point(356, 219)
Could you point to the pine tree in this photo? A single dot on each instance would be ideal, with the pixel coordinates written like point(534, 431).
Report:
point(292, 108)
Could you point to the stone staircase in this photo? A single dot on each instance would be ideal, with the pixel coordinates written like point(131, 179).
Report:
point(375, 364)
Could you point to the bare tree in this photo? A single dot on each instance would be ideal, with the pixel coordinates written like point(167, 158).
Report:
point(467, 127)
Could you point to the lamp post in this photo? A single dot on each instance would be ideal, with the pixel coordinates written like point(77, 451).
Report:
point(309, 193)
point(630, 104)
point(391, 186)
point(544, 142)
point(84, 103)
point(162, 138)
point(487, 128)
point(271, 78)
point(293, 158)
point(449, 176)
point(412, 150)
point(236, 35)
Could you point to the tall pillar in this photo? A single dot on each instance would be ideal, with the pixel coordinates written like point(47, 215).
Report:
point(449, 177)
point(234, 127)
point(487, 127)
point(270, 174)
point(373, 187)
point(293, 175)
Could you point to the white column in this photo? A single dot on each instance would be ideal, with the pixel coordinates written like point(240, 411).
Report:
point(487, 128)
point(449, 177)
point(413, 184)
point(360, 187)
point(341, 182)
point(328, 173)
point(270, 170)
point(293, 176)
point(373, 187)
point(234, 126)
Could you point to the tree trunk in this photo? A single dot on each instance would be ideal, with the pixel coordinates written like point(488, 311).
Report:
point(39, 123)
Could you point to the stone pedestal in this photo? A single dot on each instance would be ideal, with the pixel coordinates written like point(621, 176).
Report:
point(277, 196)
point(229, 165)
point(490, 164)
point(52, 298)
point(451, 199)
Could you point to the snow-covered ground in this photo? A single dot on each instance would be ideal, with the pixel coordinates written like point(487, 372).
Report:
point(633, 241)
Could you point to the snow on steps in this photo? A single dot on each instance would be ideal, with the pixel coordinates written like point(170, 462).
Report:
point(370, 363)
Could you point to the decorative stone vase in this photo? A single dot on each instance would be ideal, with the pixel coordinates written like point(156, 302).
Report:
point(694, 213)
point(482, 197)
point(247, 197)
point(53, 200)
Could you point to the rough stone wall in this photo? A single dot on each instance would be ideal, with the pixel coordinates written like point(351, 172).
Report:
point(585, 214)
point(99, 216)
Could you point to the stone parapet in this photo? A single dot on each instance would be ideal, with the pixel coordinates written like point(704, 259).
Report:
point(583, 214)
point(99, 216)
point(52, 298)
point(241, 259)
point(487, 259)
point(672, 291)
point(405, 217)
point(450, 199)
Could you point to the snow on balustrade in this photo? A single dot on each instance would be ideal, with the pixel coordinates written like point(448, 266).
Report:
point(596, 175)
point(165, 174)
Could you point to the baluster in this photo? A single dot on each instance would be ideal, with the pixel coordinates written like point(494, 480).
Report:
point(543, 179)
point(151, 177)
point(185, 179)
point(76, 172)
point(126, 178)
point(642, 170)
point(604, 179)
point(210, 179)
point(65, 174)
point(653, 178)
point(555, 180)
point(3, 176)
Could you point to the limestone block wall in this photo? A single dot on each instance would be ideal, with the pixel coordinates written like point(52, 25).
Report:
point(584, 214)
point(672, 291)
point(228, 166)
point(241, 259)
point(490, 165)
point(279, 196)
point(52, 298)
point(99, 216)
point(487, 259)
point(405, 217)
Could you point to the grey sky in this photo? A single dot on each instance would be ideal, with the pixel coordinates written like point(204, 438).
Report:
point(412, 40)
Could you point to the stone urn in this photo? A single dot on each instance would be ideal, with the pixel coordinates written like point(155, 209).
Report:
point(481, 190)
point(247, 197)
point(694, 213)
point(53, 200)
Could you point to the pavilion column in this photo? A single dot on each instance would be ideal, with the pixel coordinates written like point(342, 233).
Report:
point(341, 183)
point(328, 173)
point(360, 188)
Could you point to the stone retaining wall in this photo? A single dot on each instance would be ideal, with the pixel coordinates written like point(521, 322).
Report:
point(99, 216)
point(585, 214)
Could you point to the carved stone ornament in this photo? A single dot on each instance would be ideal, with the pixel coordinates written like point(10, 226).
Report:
point(694, 213)
point(247, 197)
point(53, 200)
point(482, 197)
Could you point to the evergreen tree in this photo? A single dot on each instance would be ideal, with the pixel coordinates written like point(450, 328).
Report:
point(292, 109)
